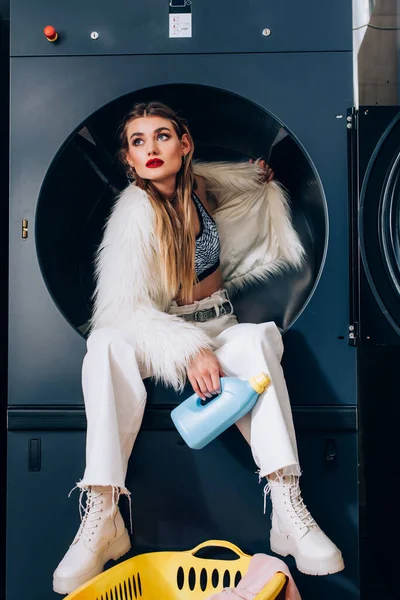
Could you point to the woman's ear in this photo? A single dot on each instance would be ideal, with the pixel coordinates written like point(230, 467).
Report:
point(186, 145)
point(128, 159)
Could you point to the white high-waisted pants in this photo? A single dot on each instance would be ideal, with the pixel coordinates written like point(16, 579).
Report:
point(115, 396)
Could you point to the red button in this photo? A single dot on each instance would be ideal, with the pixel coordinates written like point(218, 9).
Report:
point(50, 33)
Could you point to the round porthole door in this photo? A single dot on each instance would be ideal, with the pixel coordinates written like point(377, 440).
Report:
point(380, 224)
point(85, 178)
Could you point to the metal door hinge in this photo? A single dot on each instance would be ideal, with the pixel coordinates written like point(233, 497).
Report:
point(24, 229)
point(353, 334)
point(351, 121)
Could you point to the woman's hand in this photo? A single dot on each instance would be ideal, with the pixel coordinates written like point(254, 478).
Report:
point(268, 173)
point(204, 372)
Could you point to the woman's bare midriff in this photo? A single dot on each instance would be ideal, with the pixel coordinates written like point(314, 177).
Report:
point(206, 287)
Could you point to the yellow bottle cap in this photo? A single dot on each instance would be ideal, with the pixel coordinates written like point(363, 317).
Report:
point(260, 382)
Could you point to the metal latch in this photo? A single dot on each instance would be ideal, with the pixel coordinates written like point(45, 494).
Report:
point(24, 229)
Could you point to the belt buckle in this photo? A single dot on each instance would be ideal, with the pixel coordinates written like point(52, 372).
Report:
point(223, 309)
point(200, 316)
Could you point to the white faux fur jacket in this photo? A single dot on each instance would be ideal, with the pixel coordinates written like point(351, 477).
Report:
point(257, 238)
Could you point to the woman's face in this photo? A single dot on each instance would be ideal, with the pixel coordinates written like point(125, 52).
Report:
point(155, 151)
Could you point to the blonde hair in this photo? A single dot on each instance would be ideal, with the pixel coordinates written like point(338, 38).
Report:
point(174, 226)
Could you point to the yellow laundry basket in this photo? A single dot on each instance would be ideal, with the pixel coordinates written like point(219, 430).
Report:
point(173, 576)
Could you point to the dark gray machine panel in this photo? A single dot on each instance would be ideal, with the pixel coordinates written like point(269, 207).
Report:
point(177, 512)
point(301, 75)
point(134, 27)
point(45, 351)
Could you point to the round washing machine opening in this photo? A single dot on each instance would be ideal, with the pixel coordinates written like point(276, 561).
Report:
point(85, 177)
point(380, 224)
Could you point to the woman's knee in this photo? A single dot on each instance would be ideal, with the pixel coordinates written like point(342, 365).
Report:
point(261, 335)
point(271, 336)
point(249, 333)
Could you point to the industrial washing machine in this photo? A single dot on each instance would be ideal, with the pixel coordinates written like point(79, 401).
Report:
point(253, 79)
point(377, 135)
point(376, 293)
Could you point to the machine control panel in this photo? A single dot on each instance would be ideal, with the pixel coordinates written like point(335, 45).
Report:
point(178, 27)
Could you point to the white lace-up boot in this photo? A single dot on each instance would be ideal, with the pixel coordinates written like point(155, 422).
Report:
point(295, 532)
point(102, 536)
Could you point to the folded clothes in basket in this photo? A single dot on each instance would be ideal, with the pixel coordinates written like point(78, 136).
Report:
point(261, 569)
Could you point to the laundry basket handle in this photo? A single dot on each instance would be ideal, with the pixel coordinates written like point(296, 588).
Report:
point(220, 544)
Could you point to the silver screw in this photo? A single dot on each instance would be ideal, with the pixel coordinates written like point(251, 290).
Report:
point(94, 35)
point(349, 126)
point(351, 336)
point(349, 119)
point(351, 327)
point(266, 32)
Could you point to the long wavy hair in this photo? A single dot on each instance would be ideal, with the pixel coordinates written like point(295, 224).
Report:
point(174, 224)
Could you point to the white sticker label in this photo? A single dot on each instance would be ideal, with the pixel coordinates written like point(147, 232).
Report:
point(180, 25)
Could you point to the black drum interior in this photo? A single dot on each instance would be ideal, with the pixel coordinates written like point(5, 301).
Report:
point(85, 177)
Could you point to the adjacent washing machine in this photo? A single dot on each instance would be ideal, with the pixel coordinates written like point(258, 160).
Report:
point(255, 79)
point(377, 135)
point(376, 224)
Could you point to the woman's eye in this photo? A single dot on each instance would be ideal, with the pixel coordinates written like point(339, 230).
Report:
point(137, 142)
point(163, 136)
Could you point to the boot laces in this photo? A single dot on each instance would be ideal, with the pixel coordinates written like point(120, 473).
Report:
point(295, 498)
point(298, 505)
point(89, 513)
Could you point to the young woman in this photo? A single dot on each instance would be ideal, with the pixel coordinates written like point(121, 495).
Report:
point(162, 309)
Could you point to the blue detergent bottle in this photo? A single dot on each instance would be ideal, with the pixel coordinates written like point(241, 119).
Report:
point(201, 421)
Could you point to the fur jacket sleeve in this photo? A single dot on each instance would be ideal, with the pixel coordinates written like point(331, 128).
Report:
point(254, 223)
point(257, 238)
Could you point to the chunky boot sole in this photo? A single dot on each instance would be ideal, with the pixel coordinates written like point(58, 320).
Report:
point(283, 546)
point(66, 585)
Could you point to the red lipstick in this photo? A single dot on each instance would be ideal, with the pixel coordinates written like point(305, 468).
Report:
point(153, 163)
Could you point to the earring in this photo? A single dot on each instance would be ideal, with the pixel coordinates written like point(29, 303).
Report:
point(131, 173)
point(184, 158)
